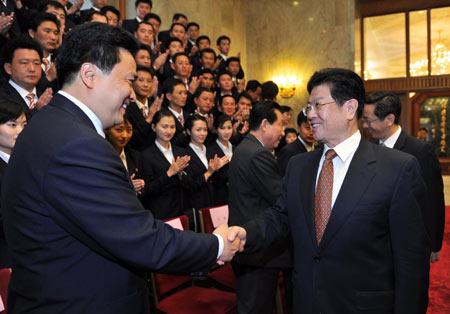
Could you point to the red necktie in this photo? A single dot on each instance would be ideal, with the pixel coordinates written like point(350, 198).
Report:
point(180, 118)
point(30, 96)
point(324, 193)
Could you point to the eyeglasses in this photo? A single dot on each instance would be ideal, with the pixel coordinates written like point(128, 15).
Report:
point(368, 121)
point(315, 107)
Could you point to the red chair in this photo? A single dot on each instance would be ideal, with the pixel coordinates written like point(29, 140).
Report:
point(175, 294)
point(5, 275)
point(223, 275)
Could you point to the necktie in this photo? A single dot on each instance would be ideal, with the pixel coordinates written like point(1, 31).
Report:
point(30, 97)
point(324, 192)
point(180, 118)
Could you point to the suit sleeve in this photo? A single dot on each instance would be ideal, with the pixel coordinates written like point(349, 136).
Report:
point(410, 245)
point(91, 197)
point(265, 176)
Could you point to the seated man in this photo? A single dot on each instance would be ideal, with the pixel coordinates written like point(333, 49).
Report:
point(193, 30)
point(112, 15)
point(144, 33)
point(164, 36)
point(253, 88)
point(206, 78)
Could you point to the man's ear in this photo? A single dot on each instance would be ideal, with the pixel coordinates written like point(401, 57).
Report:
point(88, 74)
point(351, 107)
point(390, 119)
point(7, 67)
point(31, 33)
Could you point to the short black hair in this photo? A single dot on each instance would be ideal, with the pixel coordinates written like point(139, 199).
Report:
point(193, 24)
point(189, 123)
point(145, 23)
point(10, 110)
point(170, 83)
point(110, 8)
point(290, 130)
point(203, 71)
point(207, 50)
point(423, 129)
point(145, 69)
point(97, 43)
point(202, 37)
point(220, 120)
point(88, 17)
point(41, 17)
point(45, 4)
point(153, 16)
point(175, 24)
point(223, 37)
point(269, 90)
point(178, 54)
point(164, 112)
point(232, 59)
point(171, 40)
point(301, 118)
point(225, 96)
point(252, 85)
point(176, 16)
point(201, 90)
point(136, 3)
point(22, 42)
point(263, 110)
point(246, 96)
point(223, 73)
point(386, 102)
point(284, 109)
point(344, 85)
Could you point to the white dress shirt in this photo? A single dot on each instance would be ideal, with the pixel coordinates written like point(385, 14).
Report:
point(201, 153)
point(166, 152)
point(345, 152)
point(141, 105)
point(176, 114)
point(228, 151)
point(390, 142)
point(124, 158)
point(308, 147)
point(23, 92)
point(87, 111)
point(4, 156)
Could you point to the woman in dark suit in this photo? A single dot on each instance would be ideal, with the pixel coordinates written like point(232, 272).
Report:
point(12, 122)
point(163, 167)
point(119, 135)
point(201, 168)
point(221, 147)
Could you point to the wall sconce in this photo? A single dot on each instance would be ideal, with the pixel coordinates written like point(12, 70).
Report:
point(287, 85)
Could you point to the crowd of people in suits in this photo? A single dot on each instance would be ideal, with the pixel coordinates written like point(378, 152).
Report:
point(192, 108)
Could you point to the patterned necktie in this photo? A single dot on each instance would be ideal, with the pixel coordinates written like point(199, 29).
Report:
point(30, 97)
point(180, 118)
point(324, 192)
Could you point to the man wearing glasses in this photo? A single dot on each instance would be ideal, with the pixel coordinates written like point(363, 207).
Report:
point(354, 211)
point(381, 120)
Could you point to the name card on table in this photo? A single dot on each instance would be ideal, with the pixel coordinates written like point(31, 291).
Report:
point(219, 215)
point(175, 223)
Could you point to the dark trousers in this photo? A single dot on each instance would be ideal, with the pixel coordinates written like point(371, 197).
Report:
point(256, 288)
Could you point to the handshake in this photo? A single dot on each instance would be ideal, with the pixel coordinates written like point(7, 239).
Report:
point(234, 240)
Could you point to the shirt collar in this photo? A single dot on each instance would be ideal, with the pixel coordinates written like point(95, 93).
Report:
point(347, 147)
point(138, 19)
point(87, 111)
point(223, 147)
point(22, 91)
point(162, 149)
point(4, 156)
point(224, 57)
point(390, 142)
point(176, 114)
point(198, 149)
point(307, 146)
point(141, 105)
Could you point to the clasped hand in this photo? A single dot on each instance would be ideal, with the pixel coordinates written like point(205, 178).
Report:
point(234, 241)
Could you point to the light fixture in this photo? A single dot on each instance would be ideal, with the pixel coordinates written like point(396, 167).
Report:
point(287, 85)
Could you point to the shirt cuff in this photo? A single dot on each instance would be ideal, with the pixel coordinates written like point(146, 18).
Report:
point(220, 245)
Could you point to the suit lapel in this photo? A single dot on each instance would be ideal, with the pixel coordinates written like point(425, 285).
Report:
point(356, 182)
point(401, 141)
point(307, 190)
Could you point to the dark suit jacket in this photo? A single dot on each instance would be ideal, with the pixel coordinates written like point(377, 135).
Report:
point(180, 139)
point(220, 177)
point(7, 91)
point(289, 151)
point(201, 192)
point(5, 259)
point(434, 213)
point(373, 257)
point(254, 185)
point(165, 197)
point(143, 135)
point(163, 37)
point(130, 25)
point(79, 238)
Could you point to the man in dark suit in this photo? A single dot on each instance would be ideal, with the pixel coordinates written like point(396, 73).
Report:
point(255, 184)
point(381, 120)
point(354, 211)
point(22, 63)
point(143, 7)
point(164, 36)
point(304, 143)
point(80, 240)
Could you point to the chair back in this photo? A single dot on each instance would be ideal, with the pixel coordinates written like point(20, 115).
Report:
point(5, 276)
point(212, 217)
